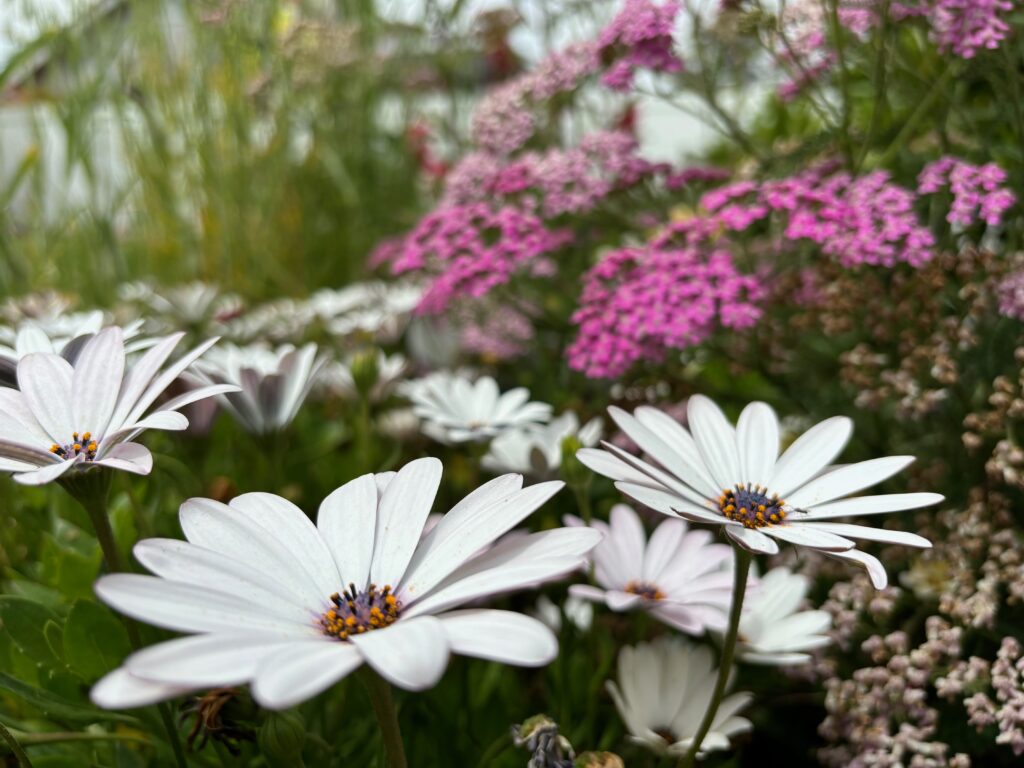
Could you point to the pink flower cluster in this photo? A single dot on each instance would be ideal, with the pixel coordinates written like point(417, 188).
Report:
point(864, 220)
point(640, 303)
point(498, 333)
point(640, 37)
point(1010, 294)
point(967, 26)
point(555, 182)
point(470, 249)
point(505, 118)
point(978, 190)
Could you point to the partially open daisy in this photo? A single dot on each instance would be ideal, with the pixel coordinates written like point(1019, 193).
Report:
point(73, 417)
point(679, 576)
point(291, 607)
point(734, 477)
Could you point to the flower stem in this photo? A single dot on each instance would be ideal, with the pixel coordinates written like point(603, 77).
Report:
point(387, 717)
point(15, 747)
point(739, 589)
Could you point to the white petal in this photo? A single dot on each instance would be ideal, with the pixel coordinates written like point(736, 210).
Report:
point(464, 531)
point(502, 636)
point(411, 653)
point(194, 395)
point(804, 536)
point(295, 532)
point(872, 505)
point(301, 671)
point(96, 381)
point(347, 520)
point(171, 421)
point(662, 547)
point(13, 465)
point(45, 383)
point(627, 540)
point(139, 376)
point(657, 477)
point(122, 690)
point(872, 564)
point(201, 661)
point(47, 474)
point(775, 659)
point(810, 453)
point(128, 457)
point(401, 514)
point(846, 480)
point(17, 421)
point(188, 608)
point(716, 440)
point(29, 454)
point(607, 465)
point(673, 433)
point(165, 379)
point(757, 438)
point(752, 540)
point(871, 534)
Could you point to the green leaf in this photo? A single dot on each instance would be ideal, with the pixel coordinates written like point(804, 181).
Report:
point(95, 641)
point(57, 707)
point(24, 621)
point(54, 638)
point(68, 570)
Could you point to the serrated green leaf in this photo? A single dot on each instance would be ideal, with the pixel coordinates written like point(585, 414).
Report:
point(95, 641)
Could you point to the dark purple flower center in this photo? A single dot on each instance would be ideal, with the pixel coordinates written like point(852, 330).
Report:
point(751, 505)
point(80, 445)
point(355, 612)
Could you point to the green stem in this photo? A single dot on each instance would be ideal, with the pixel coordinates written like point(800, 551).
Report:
point(95, 506)
point(15, 747)
point(832, 9)
point(582, 493)
point(739, 589)
point(923, 108)
point(387, 717)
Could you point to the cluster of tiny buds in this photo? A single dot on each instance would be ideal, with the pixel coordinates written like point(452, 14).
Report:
point(357, 612)
point(750, 504)
point(77, 447)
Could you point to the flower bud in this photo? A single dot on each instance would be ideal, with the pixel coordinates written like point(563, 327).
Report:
point(281, 738)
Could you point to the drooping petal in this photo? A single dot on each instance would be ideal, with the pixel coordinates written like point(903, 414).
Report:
point(347, 521)
point(128, 457)
point(411, 653)
point(752, 540)
point(809, 454)
point(874, 567)
point(301, 670)
point(120, 689)
point(46, 474)
point(502, 636)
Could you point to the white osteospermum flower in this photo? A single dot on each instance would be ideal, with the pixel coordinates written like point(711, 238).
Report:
point(272, 383)
point(68, 417)
point(538, 450)
point(456, 410)
point(773, 629)
point(734, 477)
point(269, 598)
point(340, 376)
point(680, 577)
point(664, 689)
point(377, 308)
point(190, 303)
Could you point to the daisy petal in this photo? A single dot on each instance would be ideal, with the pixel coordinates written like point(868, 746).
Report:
point(47, 474)
point(97, 380)
point(411, 653)
point(607, 465)
point(347, 521)
point(809, 454)
point(673, 433)
point(129, 457)
point(804, 536)
point(716, 440)
point(846, 480)
point(753, 541)
point(301, 670)
point(872, 505)
point(45, 383)
point(872, 534)
point(401, 514)
point(874, 567)
point(140, 375)
point(502, 636)
point(203, 661)
point(122, 690)
point(757, 438)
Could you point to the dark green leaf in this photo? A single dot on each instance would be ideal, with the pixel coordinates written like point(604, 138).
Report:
point(95, 641)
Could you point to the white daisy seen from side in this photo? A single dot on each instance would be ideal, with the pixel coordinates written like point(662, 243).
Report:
point(271, 383)
point(663, 690)
point(70, 418)
point(734, 477)
point(373, 371)
point(773, 630)
point(268, 598)
point(454, 409)
point(537, 450)
point(680, 577)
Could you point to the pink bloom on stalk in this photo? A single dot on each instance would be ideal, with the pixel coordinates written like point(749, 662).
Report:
point(979, 191)
point(968, 26)
point(640, 37)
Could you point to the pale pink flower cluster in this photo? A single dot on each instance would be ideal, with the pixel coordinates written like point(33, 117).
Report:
point(639, 37)
point(1010, 293)
point(979, 191)
point(498, 333)
point(470, 249)
point(640, 303)
point(968, 26)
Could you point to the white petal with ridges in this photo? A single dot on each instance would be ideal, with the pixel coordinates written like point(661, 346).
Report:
point(45, 383)
point(96, 381)
point(347, 521)
point(302, 670)
point(716, 440)
point(411, 653)
point(846, 480)
point(752, 540)
point(757, 439)
point(809, 454)
point(401, 514)
point(502, 636)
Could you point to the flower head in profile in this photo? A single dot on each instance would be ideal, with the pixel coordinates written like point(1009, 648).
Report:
point(69, 418)
point(537, 449)
point(664, 689)
point(773, 629)
point(370, 374)
point(271, 383)
point(679, 576)
point(456, 410)
point(268, 598)
point(719, 474)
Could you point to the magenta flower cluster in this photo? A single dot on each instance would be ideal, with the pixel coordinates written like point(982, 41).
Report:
point(639, 303)
point(968, 26)
point(864, 220)
point(979, 191)
point(639, 37)
point(470, 249)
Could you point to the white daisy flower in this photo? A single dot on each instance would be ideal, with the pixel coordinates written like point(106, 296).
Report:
point(387, 371)
point(773, 629)
point(664, 689)
point(269, 598)
point(680, 577)
point(377, 308)
point(455, 410)
point(537, 450)
point(271, 383)
point(279, 320)
point(192, 303)
point(67, 417)
point(734, 477)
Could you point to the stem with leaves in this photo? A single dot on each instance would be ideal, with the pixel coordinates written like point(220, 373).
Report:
point(387, 717)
